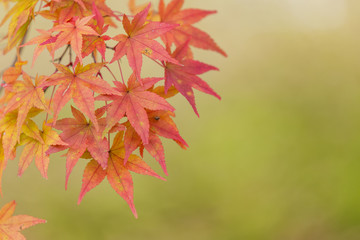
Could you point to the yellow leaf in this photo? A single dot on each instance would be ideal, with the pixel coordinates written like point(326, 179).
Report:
point(21, 15)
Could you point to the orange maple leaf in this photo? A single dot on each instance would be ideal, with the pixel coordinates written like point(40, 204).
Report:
point(26, 96)
point(172, 14)
point(140, 40)
point(10, 226)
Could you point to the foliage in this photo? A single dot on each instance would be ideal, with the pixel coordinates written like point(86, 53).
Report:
point(134, 115)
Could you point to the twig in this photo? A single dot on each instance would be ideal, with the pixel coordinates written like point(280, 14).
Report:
point(59, 59)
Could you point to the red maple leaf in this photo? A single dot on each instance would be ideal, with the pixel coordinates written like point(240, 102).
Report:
point(91, 42)
point(10, 226)
point(117, 173)
point(140, 40)
point(73, 32)
point(81, 135)
point(132, 101)
point(173, 14)
point(79, 85)
point(185, 78)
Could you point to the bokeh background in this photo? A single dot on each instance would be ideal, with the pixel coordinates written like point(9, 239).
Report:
point(277, 158)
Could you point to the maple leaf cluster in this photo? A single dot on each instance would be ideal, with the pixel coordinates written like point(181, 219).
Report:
point(134, 115)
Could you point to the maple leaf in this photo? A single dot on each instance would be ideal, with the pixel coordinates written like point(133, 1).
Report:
point(72, 32)
point(9, 76)
point(79, 85)
point(91, 42)
point(132, 101)
point(140, 40)
point(80, 135)
point(69, 9)
point(13, 73)
point(36, 144)
point(184, 77)
point(42, 42)
point(117, 173)
point(26, 96)
point(80, 2)
point(9, 132)
point(64, 10)
point(173, 14)
point(10, 226)
point(22, 14)
point(154, 146)
point(160, 124)
point(103, 8)
point(134, 9)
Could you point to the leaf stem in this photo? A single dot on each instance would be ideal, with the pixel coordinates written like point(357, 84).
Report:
point(122, 76)
point(41, 3)
point(112, 48)
point(111, 72)
point(155, 61)
point(52, 95)
point(106, 103)
point(70, 55)
point(93, 56)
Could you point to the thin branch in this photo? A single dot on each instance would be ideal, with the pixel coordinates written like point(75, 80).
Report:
point(112, 48)
point(93, 57)
point(59, 59)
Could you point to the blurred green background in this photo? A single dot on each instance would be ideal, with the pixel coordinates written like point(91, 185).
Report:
point(277, 158)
